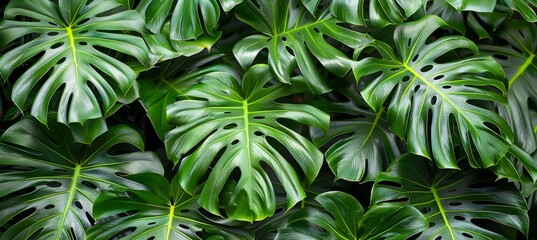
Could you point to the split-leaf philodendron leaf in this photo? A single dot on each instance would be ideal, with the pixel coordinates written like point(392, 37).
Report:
point(72, 71)
point(237, 125)
point(48, 184)
point(457, 204)
point(431, 103)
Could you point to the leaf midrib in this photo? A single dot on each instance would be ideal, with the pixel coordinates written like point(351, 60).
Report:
point(72, 191)
point(442, 211)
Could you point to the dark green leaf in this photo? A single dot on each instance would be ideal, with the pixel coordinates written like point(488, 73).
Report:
point(370, 148)
point(457, 204)
point(343, 218)
point(381, 12)
point(290, 34)
point(164, 211)
point(51, 183)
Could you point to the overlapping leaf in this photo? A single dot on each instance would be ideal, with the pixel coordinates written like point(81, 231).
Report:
point(290, 34)
point(68, 69)
point(48, 184)
point(519, 63)
point(188, 18)
point(435, 102)
point(237, 126)
point(166, 82)
point(526, 8)
point(457, 204)
point(370, 147)
point(380, 14)
point(343, 218)
point(164, 211)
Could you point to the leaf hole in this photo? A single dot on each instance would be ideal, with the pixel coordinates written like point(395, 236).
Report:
point(230, 126)
point(89, 184)
point(433, 100)
point(432, 224)
point(184, 210)
point(56, 45)
point(83, 43)
point(53, 24)
point(151, 238)
point(426, 210)
point(415, 58)
point(52, 33)
point(284, 39)
point(500, 56)
point(54, 184)
point(85, 20)
point(227, 112)
point(316, 30)
point(151, 223)
point(73, 234)
point(438, 77)
point(184, 226)
point(455, 203)
point(405, 79)
point(235, 142)
point(259, 134)
point(438, 238)
point(62, 60)
point(460, 218)
point(120, 174)
point(90, 218)
point(289, 50)
point(259, 117)
point(467, 235)
point(426, 68)
point(50, 206)
point(394, 69)
point(83, 32)
point(78, 205)
point(446, 87)
point(417, 88)
point(409, 42)
point(492, 127)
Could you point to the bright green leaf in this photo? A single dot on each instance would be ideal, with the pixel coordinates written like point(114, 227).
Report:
point(84, 80)
point(428, 97)
point(235, 125)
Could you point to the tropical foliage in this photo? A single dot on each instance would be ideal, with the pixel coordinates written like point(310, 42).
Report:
point(255, 119)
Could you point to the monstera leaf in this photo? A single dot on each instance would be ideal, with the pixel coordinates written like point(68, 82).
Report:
point(48, 184)
point(429, 94)
point(473, 5)
point(526, 8)
point(343, 218)
point(238, 127)
point(457, 204)
point(290, 34)
point(381, 12)
point(186, 16)
point(370, 148)
point(69, 66)
point(164, 211)
point(518, 61)
point(167, 81)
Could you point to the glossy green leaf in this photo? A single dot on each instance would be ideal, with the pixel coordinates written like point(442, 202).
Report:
point(290, 34)
point(167, 82)
point(235, 125)
point(343, 218)
point(48, 184)
point(427, 96)
point(473, 5)
point(188, 19)
point(457, 204)
point(518, 61)
point(369, 148)
point(380, 14)
point(73, 73)
point(526, 8)
point(163, 211)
